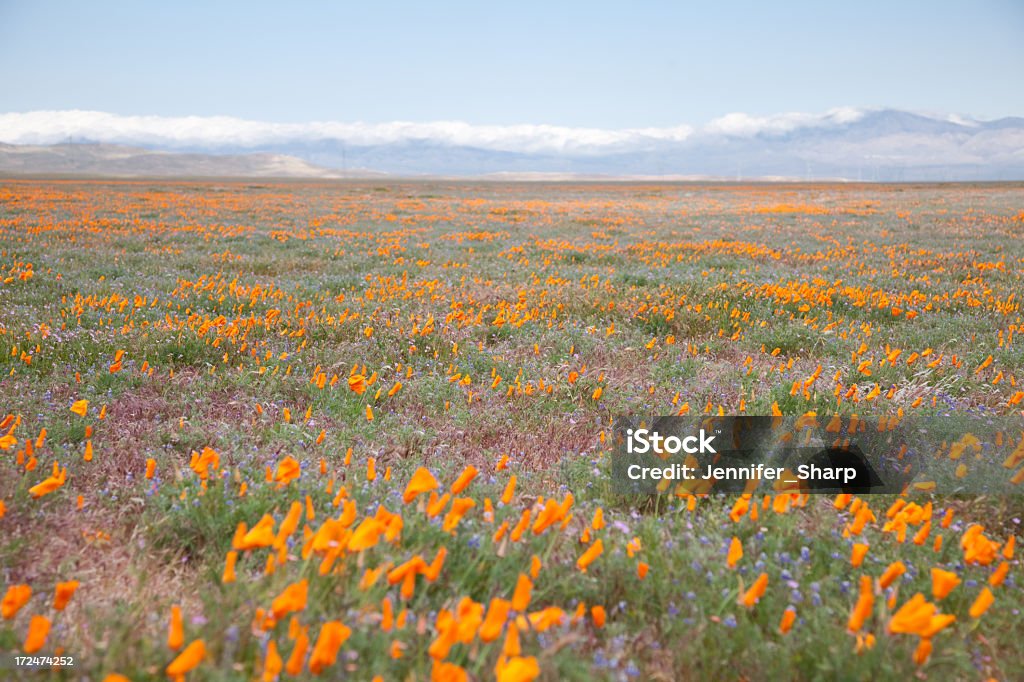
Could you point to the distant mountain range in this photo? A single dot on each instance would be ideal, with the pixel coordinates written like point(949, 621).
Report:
point(848, 144)
point(110, 160)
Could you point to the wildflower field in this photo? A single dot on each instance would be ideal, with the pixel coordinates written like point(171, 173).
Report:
point(362, 430)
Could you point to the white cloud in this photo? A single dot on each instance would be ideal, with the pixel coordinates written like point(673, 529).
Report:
point(50, 127)
point(961, 121)
point(212, 133)
point(743, 125)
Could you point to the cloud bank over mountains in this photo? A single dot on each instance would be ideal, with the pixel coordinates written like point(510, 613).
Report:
point(855, 144)
point(54, 127)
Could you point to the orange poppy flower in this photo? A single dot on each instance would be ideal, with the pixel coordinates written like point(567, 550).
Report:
point(545, 619)
point(325, 652)
point(188, 659)
point(292, 599)
point(409, 568)
point(497, 614)
point(289, 524)
point(436, 504)
point(441, 671)
point(943, 582)
point(464, 479)
point(298, 656)
point(756, 591)
point(288, 469)
point(422, 481)
point(38, 629)
point(387, 615)
point(864, 606)
point(357, 384)
point(14, 599)
point(588, 557)
point(366, 535)
point(535, 566)
point(923, 651)
point(432, 571)
point(460, 506)
point(517, 669)
point(510, 490)
point(261, 535)
point(860, 550)
point(914, 617)
point(63, 593)
point(511, 646)
point(48, 485)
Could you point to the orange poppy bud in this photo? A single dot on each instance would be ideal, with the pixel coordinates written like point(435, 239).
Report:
point(981, 604)
point(176, 629)
point(735, 552)
point(298, 656)
point(788, 618)
point(756, 591)
point(272, 663)
point(997, 578)
point(894, 571)
point(521, 595)
point(229, 567)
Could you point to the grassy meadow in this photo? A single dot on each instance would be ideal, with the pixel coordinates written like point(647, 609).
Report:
point(362, 430)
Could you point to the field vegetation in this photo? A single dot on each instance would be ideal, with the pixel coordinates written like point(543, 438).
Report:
point(363, 430)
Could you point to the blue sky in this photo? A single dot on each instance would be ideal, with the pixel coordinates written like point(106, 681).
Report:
point(600, 64)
